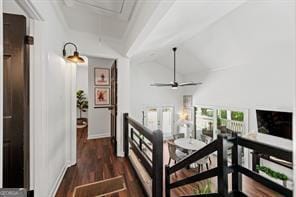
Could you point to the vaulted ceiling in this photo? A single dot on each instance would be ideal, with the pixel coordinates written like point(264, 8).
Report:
point(209, 34)
point(215, 35)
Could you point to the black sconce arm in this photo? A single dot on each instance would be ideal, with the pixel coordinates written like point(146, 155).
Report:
point(69, 43)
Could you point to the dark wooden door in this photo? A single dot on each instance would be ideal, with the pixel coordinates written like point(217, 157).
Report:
point(16, 103)
point(114, 104)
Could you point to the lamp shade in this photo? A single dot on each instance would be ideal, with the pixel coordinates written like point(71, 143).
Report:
point(75, 58)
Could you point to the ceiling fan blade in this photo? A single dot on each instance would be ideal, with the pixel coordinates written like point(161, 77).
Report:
point(189, 84)
point(161, 84)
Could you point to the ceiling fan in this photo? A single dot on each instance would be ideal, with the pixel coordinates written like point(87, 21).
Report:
point(175, 84)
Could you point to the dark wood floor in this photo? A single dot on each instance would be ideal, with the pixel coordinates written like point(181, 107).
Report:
point(250, 187)
point(96, 161)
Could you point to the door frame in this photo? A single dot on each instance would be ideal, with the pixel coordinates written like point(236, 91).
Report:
point(114, 99)
point(73, 130)
point(33, 17)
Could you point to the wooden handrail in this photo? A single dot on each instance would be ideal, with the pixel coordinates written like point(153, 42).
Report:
point(224, 142)
point(198, 177)
point(205, 151)
point(154, 165)
point(142, 129)
point(222, 145)
point(266, 149)
point(142, 141)
point(266, 182)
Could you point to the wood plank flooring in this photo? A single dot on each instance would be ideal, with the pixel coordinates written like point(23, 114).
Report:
point(96, 161)
point(250, 187)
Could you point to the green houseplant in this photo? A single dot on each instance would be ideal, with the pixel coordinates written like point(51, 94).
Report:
point(203, 187)
point(82, 105)
point(272, 173)
point(277, 177)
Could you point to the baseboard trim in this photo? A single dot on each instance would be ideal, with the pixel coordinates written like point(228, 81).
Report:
point(98, 136)
point(120, 154)
point(59, 179)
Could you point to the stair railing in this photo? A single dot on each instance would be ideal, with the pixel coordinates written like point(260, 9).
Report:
point(222, 145)
point(142, 140)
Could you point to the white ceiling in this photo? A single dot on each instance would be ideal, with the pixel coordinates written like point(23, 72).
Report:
point(213, 34)
point(185, 19)
point(113, 7)
point(105, 18)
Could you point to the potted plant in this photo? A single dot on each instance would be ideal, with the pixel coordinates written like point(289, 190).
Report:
point(82, 105)
point(277, 177)
point(203, 187)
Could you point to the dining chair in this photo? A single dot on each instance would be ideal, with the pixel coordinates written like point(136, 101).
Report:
point(202, 162)
point(206, 140)
point(179, 135)
point(174, 153)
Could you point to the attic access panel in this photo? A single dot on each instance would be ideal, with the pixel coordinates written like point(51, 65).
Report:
point(114, 6)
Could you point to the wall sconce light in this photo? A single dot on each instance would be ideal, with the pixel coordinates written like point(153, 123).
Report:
point(75, 58)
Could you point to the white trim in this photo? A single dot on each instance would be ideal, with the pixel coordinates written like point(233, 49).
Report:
point(99, 135)
point(60, 14)
point(38, 112)
point(32, 106)
point(29, 8)
point(59, 179)
point(73, 115)
point(120, 154)
point(294, 132)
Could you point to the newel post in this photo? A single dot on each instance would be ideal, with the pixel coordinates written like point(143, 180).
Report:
point(125, 133)
point(157, 165)
point(222, 166)
point(236, 161)
point(167, 181)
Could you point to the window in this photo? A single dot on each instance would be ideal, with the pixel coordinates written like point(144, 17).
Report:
point(152, 119)
point(204, 122)
point(230, 121)
point(210, 121)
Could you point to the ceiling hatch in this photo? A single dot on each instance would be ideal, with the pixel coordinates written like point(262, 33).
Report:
point(114, 6)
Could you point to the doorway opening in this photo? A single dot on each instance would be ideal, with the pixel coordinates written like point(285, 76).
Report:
point(160, 118)
point(96, 79)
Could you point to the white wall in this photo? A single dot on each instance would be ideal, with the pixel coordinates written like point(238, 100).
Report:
point(99, 120)
point(255, 86)
point(255, 45)
point(143, 95)
point(53, 89)
point(82, 78)
point(90, 46)
point(82, 84)
point(13, 8)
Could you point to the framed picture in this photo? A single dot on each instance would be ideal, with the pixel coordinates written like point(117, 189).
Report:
point(102, 76)
point(187, 101)
point(102, 96)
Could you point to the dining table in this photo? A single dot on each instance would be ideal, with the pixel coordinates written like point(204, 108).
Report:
point(189, 144)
